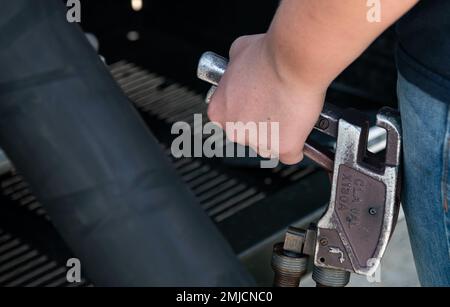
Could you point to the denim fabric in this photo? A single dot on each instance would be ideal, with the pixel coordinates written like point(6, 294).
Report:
point(424, 46)
point(426, 185)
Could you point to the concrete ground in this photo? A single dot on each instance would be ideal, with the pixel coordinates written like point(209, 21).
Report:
point(397, 267)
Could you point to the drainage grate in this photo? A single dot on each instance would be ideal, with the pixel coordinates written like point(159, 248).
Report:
point(236, 195)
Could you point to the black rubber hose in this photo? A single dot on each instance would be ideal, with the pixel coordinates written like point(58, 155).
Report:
point(89, 158)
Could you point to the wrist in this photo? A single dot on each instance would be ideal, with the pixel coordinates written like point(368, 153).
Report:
point(292, 65)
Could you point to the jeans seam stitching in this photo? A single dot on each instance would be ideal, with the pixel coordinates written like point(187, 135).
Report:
point(444, 180)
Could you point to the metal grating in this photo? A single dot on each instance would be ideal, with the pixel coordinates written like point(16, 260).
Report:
point(220, 194)
point(22, 265)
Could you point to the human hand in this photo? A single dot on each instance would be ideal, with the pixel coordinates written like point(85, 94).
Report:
point(255, 88)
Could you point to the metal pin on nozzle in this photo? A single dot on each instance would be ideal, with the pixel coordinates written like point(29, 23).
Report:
point(211, 69)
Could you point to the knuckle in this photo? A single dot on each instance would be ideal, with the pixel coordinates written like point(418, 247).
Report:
point(291, 159)
point(231, 137)
point(291, 154)
point(236, 46)
point(288, 150)
point(214, 114)
point(265, 153)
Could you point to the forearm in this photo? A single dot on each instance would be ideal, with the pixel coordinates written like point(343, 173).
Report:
point(315, 40)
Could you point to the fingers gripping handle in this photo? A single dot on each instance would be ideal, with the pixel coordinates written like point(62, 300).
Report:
point(212, 67)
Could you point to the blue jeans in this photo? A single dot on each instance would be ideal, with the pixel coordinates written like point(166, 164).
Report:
point(426, 186)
